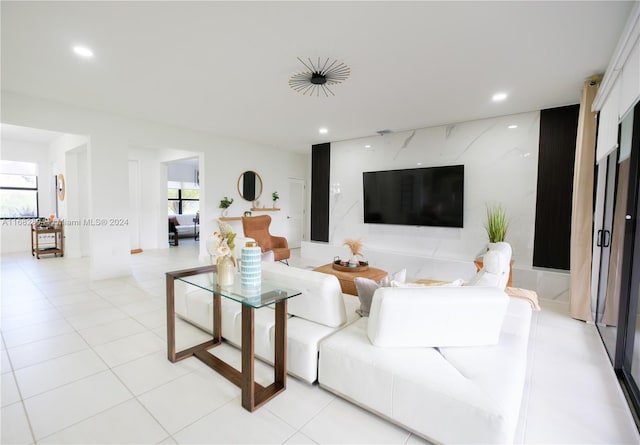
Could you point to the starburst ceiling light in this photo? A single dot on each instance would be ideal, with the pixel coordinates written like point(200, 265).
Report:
point(319, 76)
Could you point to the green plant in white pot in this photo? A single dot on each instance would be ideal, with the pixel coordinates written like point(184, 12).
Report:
point(497, 224)
point(225, 203)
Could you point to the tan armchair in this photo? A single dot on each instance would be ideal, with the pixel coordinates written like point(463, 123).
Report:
point(257, 227)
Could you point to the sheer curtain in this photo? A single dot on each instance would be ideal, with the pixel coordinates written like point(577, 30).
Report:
point(582, 209)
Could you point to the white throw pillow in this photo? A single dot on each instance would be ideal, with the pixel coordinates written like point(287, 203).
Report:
point(366, 287)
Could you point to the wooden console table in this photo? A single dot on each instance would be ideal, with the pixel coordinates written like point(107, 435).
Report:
point(254, 395)
point(47, 240)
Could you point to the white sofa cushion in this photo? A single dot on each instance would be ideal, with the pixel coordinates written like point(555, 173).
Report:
point(446, 395)
point(321, 300)
point(436, 316)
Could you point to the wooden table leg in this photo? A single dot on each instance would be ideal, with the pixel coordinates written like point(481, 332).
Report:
point(248, 357)
point(171, 319)
point(172, 354)
point(255, 395)
point(280, 354)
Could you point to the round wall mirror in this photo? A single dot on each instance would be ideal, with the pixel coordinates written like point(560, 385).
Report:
point(61, 187)
point(250, 185)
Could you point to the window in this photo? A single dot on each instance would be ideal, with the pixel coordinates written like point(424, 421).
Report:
point(18, 190)
point(184, 198)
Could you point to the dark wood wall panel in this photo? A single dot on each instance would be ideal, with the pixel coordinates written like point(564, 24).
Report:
point(320, 170)
point(558, 131)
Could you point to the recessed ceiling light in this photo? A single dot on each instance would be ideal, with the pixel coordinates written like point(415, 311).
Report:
point(511, 127)
point(367, 146)
point(498, 97)
point(323, 131)
point(526, 155)
point(83, 51)
point(419, 163)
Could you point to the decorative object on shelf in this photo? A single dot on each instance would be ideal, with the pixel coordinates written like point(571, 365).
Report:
point(250, 185)
point(497, 224)
point(275, 198)
point(223, 251)
point(42, 222)
point(250, 265)
point(356, 251)
point(319, 76)
point(225, 203)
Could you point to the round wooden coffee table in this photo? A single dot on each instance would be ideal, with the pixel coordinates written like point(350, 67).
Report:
point(346, 278)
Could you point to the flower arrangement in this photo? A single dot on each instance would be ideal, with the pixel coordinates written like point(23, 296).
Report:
point(225, 202)
point(225, 241)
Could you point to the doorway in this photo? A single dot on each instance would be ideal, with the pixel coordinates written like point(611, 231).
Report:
point(183, 201)
point(618, 211)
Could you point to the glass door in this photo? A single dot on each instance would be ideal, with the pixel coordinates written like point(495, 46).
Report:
point(627, 362)
point(606, 257)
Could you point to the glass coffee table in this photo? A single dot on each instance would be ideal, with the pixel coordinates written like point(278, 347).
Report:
point(254, 395)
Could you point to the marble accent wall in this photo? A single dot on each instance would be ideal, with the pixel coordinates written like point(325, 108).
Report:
point(500, 167)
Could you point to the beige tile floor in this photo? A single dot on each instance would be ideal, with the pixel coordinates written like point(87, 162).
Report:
point(84, 362)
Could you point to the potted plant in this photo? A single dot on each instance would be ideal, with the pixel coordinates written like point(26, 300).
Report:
point(497, 224)
point(224, 205)
point(275, 198)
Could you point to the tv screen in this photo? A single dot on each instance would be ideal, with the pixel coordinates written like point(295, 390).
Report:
point(416, 197)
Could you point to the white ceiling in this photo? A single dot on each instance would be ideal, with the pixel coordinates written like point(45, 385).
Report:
point(223, 67)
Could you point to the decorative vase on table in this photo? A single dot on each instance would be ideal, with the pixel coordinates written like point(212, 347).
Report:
point(250, 267)
point(221, 246)
point(226, 270)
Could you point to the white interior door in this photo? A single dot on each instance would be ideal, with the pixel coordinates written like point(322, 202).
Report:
point(295, 212)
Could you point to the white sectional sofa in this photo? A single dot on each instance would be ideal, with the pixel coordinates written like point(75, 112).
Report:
point(447, 363)
point(321, 310)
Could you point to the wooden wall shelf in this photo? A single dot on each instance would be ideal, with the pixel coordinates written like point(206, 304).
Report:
point(254, 209)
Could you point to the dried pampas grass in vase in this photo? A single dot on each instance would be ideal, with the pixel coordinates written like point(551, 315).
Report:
point(356, 251)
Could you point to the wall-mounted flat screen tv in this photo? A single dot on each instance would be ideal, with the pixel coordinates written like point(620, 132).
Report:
point(432, 196)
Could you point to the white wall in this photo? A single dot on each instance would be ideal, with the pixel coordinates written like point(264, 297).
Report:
point(111, 138)
point(15, 234)
point(500, 167)
point(181, 172)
